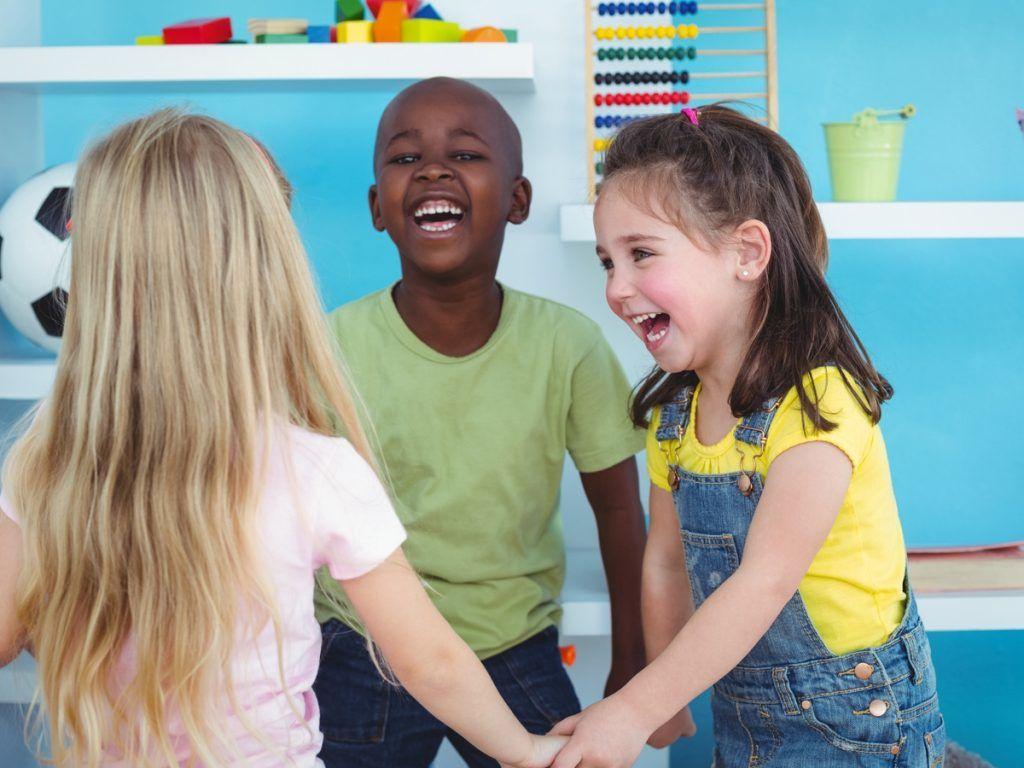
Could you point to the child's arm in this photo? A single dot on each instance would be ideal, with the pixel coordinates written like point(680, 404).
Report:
point(803, 493)
point(666, 600)
point(614, 497)
point(438, 668)
point(12, 636)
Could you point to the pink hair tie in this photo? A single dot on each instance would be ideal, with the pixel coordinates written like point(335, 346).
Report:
point(692, 114)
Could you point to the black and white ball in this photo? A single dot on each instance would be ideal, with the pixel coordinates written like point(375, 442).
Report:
point(35, 255)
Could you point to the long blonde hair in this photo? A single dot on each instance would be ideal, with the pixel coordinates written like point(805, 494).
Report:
point(193, 326)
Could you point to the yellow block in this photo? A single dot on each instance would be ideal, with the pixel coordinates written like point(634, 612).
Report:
point(430, 31)
point(150, 40)
point(355, 32)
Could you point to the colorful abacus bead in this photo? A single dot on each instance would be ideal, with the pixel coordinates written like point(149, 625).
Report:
point(600, 145)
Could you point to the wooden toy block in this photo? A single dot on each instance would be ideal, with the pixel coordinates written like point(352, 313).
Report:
point(355, 32)
point(276, 39)
point(411, 6)
point(430, 31)
point(319, 34)
point(149, 40)
point(427, 12)
point(349, 10)
point(511, 35)
point(278, 26)
point(198, 31)
point(388, 26)
point(484, 35)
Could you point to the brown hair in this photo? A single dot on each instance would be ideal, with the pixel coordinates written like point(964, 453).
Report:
point(709, 177)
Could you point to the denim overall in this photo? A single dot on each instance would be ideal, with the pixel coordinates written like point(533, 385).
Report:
point(791, 702)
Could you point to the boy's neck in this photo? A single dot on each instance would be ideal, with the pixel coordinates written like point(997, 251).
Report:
point(455, 319)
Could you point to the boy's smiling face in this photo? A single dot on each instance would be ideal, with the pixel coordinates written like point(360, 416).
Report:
point(448, 167)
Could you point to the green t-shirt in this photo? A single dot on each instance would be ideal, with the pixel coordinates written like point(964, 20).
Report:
point(474, 448)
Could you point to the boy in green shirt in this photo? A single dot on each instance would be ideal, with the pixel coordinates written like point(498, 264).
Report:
point(476, 392)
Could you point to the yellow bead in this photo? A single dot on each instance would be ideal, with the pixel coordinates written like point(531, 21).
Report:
point(692, 30)
point(682, 30)
point(621, 33)
point(631, 32)
point(599, 145)
point(670, 32)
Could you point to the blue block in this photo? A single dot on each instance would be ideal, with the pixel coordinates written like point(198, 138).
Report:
point(427, 12)
point(319, 34)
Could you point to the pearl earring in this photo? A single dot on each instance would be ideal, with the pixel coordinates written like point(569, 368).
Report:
point(745, 273)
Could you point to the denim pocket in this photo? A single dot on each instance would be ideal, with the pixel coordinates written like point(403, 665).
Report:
point(710, 560)
point(845, 721)
point(935, 745)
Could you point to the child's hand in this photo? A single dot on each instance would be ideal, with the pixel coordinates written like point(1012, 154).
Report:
point(545, 748)
point(604, 735)
point(678, 727)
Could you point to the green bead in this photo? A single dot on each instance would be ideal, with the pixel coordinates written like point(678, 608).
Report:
point(599, 168)
point(600, 55)
point(631, 54)
point(691, 52)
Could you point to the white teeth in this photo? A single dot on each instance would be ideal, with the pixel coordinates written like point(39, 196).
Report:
point(437, 206)
point(640, 318)
point(438, 226)
point(653, 337)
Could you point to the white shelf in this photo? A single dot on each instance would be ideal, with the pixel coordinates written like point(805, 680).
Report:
point(874, 221)
point(586, 610)
point(507, 67)
point(28, 379)
point(586, 614)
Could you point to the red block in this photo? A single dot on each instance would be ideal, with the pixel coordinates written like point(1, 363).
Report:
point(411, 6)
point(198, 31)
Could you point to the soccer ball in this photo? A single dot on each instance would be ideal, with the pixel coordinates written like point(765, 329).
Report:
point(35, 255)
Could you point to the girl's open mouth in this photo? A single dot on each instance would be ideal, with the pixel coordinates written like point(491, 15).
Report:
point(654, 326)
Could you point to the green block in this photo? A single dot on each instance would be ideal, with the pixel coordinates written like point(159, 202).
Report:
point(512, 35)
point(349, 10)
point(271, 39)
point(430, 31)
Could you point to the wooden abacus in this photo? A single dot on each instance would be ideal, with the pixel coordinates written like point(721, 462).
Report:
point(656, 48)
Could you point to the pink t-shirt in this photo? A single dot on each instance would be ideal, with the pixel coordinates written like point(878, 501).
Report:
point(327, 508)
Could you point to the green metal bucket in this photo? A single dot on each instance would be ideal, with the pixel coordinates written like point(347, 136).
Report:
point(864, 155)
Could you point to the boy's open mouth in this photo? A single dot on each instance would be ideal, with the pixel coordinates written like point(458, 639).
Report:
point(438, 215)
point(654, 324)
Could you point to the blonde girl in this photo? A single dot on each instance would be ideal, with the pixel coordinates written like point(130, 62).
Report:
point(198, 459)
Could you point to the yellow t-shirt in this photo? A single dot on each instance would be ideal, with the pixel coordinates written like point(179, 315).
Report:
point(854, 588)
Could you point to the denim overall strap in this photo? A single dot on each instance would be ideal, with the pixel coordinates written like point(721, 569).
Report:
point(675, 416)
point(753, 429)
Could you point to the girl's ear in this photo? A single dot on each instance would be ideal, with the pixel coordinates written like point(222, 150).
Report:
point(754, 249)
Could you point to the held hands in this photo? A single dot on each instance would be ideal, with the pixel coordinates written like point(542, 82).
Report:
point(604, 735)
point(544, 749)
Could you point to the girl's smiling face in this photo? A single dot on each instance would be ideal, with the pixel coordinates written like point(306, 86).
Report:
point(687, 301)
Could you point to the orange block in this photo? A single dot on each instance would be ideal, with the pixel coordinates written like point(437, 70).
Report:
point(484, 35)
point(388, 26)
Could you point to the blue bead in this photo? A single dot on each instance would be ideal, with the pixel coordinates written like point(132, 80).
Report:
point(622, 8)
point(693, 7)
point(631, 7)
point(602, 9)
point(672, 8)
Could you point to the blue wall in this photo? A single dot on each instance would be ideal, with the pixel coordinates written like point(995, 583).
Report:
point(943, 319)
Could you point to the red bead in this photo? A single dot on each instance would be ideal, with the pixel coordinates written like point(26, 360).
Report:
point(598, 100)
point(685, 97)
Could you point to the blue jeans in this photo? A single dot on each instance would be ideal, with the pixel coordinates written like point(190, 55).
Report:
point(368, 723)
